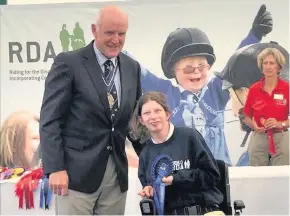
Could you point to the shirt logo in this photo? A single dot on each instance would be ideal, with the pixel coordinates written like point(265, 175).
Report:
point(181, 164)
point(281, 102)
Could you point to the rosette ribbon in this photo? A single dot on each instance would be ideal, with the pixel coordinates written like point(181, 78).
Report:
point(270, 136)
point(161, 167)
point(45, 194)
point(11, 173)
point(26, 186)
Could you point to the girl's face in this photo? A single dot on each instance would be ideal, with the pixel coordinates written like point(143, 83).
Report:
point(32, 140)
point(192, 73)
point(154, 117)
point(270, 66)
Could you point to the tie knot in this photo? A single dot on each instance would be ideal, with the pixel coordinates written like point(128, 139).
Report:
point(108, 64)
point(109, 69)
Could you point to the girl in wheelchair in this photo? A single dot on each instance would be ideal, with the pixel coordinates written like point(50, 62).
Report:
point(191, 188)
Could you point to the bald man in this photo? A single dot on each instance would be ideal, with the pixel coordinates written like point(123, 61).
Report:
point(88, 100)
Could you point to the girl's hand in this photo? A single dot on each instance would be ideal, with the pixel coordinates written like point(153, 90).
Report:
point(147, 191)
point(167, 180)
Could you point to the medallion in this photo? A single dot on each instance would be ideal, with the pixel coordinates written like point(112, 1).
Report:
point(111, 100)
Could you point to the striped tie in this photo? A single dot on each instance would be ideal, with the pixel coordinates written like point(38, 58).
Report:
point(109, 75)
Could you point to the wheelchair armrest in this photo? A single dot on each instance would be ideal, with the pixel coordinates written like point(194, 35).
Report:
point(238, 206)
point(147, 206)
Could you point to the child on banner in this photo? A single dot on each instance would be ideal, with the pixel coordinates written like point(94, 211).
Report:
point(199, 100)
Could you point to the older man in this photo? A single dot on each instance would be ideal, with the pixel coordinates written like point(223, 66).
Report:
point(89, 97)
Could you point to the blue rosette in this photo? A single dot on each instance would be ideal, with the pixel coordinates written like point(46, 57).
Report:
point(161, 167)
point(45, 194)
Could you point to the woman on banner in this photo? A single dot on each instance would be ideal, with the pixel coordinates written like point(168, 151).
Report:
point(192, 185)
point(20, 141)
point(266, 112)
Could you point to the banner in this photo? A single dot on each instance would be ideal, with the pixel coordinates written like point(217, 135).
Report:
point(31, 36)
point(3, 2)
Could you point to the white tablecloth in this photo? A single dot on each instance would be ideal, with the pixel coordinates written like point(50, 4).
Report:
point(264, 190)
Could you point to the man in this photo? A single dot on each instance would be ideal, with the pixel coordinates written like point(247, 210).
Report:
point(87, 104)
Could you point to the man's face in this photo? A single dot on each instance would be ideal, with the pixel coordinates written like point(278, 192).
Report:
point(192, 73)
point(110, 34)
point(239, 97)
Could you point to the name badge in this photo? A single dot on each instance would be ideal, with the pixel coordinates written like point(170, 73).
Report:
point(278, 96)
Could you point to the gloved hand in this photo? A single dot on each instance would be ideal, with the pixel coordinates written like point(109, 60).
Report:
point(263, 23)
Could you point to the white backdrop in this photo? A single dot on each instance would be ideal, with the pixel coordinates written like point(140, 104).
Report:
point(225, 22)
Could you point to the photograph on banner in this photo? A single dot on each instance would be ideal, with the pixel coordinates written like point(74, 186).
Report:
point(181, 56)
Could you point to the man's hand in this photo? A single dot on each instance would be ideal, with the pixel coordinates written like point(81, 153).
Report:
point(263, 23)
point(58, 182)
point(167, 180)
point(147, 191)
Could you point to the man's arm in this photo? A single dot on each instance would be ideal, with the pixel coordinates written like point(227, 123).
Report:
point(56, 100)
point(135, 143)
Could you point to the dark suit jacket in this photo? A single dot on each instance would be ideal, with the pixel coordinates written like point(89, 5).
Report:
point(76, 131)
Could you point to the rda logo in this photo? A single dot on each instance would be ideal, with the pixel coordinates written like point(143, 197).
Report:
point(76, 40)
point(33, 51)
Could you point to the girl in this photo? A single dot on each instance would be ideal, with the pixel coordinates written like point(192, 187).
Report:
point(19, 146)
point(192, 185)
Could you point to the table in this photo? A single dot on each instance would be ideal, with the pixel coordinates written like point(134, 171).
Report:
point(264, 190)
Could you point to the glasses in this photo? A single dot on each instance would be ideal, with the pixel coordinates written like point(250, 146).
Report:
point(190, 69)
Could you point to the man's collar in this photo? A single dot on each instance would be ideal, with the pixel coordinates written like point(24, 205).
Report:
point(101, 58)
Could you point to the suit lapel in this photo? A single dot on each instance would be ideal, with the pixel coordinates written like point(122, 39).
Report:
point(95, 73)
point(125, 84)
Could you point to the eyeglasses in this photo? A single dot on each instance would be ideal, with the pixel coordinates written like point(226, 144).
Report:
point(190, 69)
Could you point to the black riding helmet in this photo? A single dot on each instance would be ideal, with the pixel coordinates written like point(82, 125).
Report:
point(185, 42)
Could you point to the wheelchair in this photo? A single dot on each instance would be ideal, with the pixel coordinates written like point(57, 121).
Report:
point(148, 208)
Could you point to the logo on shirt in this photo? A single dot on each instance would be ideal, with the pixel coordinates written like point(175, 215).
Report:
point(181, 164)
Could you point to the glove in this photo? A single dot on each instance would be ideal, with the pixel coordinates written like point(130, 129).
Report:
point(263, 23)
